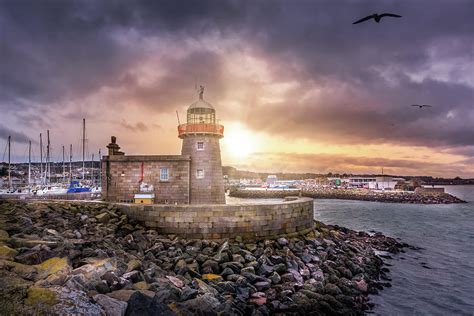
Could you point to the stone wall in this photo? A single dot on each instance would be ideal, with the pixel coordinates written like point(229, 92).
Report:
point(210, 188)
point(421, 190)
point(121, 177)
point(225, 221)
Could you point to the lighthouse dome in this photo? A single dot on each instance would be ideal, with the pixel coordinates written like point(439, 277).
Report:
point(201, 104)
point(201, 112)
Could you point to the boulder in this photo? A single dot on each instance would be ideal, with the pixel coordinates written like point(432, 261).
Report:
point(142, 305)
point(111, 306)
point(7, 252)
point(103, 217)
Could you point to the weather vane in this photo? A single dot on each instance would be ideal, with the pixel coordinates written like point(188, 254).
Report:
point(201, 91)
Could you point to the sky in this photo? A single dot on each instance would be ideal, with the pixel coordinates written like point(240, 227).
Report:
point(297, 86)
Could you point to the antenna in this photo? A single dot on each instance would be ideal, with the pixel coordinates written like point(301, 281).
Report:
point(177, 115)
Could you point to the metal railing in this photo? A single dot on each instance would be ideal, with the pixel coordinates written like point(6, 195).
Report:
point(201, 128)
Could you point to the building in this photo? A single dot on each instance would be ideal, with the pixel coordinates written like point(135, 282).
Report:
point(194, 177)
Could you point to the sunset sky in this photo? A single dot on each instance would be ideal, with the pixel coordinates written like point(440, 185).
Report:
point(296, 85)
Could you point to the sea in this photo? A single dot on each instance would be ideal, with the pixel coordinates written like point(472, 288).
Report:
point(437, 279)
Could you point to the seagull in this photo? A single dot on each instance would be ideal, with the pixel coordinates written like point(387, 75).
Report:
point(377, 17)
point(422, 105)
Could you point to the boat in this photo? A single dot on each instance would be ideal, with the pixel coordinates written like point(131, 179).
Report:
point(77, 187)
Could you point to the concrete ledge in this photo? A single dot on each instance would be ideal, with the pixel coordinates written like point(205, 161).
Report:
point(249, 221)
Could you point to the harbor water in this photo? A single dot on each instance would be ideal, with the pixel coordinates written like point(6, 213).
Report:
point(438, 279)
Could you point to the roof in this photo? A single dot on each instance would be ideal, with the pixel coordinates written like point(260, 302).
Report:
point(201, 104)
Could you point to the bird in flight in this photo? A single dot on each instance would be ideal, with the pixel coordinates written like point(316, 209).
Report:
point(377, 17)
point(422, 105)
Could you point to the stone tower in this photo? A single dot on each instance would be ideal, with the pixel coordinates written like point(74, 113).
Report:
point(200, 137)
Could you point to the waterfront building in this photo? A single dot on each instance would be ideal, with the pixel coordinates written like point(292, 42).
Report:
point(194, 177)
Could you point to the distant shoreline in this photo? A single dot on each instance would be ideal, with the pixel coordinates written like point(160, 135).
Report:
point(353, 194)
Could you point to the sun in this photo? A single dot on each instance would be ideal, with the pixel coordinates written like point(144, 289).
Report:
point(238, 141)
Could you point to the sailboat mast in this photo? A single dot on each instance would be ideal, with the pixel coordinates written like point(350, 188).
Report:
point(70, 163)
point(9, 162)
point(64, 167)
point(29, 163)
point(48, 174)
point(83, 148)
point(100, 169)
point(92, 170)
point(41, 155)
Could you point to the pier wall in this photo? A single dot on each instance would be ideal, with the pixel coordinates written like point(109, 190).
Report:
point(225, 221)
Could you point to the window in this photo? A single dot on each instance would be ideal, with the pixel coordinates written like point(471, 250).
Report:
point(164, 176)
point(200, 145)
point(200, 173)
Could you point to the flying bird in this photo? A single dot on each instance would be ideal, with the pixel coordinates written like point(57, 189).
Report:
point(377, 17)
point(422, 105)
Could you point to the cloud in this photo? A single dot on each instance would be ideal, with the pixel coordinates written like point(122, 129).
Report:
point(15, 136)
point(340, 163)
point(295, 70)
point(137, 127)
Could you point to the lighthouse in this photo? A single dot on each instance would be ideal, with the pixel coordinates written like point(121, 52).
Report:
point(201, 135)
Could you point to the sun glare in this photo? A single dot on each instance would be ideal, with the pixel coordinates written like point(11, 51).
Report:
point(238, 142)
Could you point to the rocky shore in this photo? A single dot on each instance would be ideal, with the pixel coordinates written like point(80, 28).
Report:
point(353, 194)
point(87, 258)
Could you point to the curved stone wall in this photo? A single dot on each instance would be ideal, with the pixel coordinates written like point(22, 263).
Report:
point(249, 221)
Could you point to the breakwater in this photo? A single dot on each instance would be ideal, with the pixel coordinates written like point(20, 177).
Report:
point(90, 258)
point(353, 194)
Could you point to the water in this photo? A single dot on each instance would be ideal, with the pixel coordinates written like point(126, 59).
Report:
point(446, 234)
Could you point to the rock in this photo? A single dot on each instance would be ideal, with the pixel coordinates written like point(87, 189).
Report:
point(142, 285)
point(251, 247)
point(134, 264)
point(176, 282)
point(249, 269)
point(41, 296)
point(25, 271)
point(103, 217)
point(205, 304)
point(188, 293)
point(332, 289)
point(4, 235)
point(258, 298)
point(212, 277)
point(204, 288)
point(53, 269)
point(218, 257)
point(133, 276)
point(235, 266)
point(287, 277)
point(7, 252)
point(124, 295)
point(97, 268)
point(280, 268)
point(297, 276)
point(361, 285)
point(212, 264)
point(13, 290)
point(275, 278)
point(262, 285)
point(238, 258)
point(142, 305)
point(265, 269)
point(282, 241)
point(111, 306)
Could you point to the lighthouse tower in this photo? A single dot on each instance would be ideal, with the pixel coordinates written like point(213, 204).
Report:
point(200, 137)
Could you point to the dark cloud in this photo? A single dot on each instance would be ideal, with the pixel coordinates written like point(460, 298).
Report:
point(367, 75)
point(17, 137)
point(137, 127)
